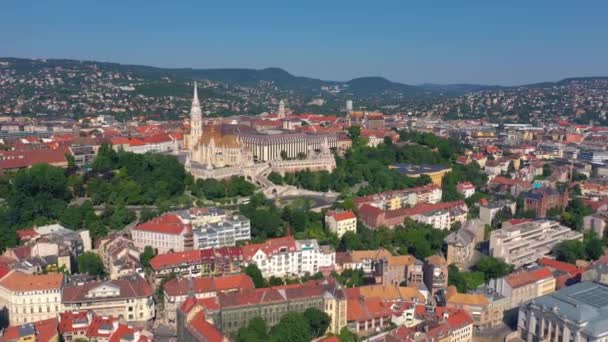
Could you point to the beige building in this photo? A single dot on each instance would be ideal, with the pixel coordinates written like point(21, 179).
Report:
point(129, 298)
point(394, 269)
point(340, 222)
point(524, 285)
point(486, 309)
point(29, 297)
point(120, 256)
point(526, 242)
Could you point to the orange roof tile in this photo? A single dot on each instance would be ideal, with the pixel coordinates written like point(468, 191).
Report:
point(523, 278)
point(23, 282)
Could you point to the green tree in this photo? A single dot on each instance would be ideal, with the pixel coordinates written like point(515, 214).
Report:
point(106, 159)
point(318, 321)
point(146, 256)
point(255, 274)
point(255, 331)
point(275, 281)
point(493, 268)
point(355, 134)
point(71, 163)
point(347, 336)
point(90, 263)
point(120, 217)
point(276, 178)
point(293, 327)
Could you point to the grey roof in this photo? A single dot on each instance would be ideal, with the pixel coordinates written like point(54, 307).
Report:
point(584, 303)
point(460, 237)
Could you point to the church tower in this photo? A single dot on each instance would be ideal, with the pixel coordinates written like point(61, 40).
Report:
point(196, 119)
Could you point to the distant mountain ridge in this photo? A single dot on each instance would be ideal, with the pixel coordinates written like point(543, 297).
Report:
point(362, 86)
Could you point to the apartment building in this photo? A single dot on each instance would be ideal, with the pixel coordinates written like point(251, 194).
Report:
point(435, 271)
point(574, 313)
point(440, 215)
point(176, 291)
point(485, 308)
point(340, 222)
point(30, 297)
point(286, 256)
point(526, 242)
point(227, 232)
point(202, 262)
point(130, 298)
point(488, 211)
point(231, 311)
point(166, 233)
point(543, 199)
point(120, 256)
point(461, 244)
point(397, 199)
point(89, 326)
point(524, 285)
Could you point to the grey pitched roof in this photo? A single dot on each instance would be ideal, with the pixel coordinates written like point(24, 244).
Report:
point(584, 303)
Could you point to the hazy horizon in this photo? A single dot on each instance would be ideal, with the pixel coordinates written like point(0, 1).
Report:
point(477, 42)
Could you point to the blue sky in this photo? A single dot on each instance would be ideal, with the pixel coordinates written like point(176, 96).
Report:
point(491, 42)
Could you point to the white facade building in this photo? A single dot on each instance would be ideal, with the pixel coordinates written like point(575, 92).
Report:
point(223, 233)
point(282, 257)
point(30, 298)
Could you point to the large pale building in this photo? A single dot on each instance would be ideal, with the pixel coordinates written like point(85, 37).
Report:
point(129, 298)
point(222, 151)
point(286, 256)
point(526, 242)
point(30, 297)
point(168, 232)
point(575, 313)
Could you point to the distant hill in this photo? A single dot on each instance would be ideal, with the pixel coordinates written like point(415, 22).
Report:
point(362, 86)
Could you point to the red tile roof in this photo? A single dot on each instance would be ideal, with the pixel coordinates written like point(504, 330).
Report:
point(10, 160)
point(560, 265)
point(270, 247)
point(459, 320)
point(341, 215)
point(131, 287)
point(424, 208)
point(523, 278)
point(22, 282)
point(46, 331)
point(26, 234)
point(165, 224)
point(126, 333)
point(181, 287)
point(200, 327)
point(101, 326)
point(175, 259)
point(366, 309)
point(68, 324)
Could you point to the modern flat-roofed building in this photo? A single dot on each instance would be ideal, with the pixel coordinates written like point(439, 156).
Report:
point(526, 242)
point(574, 313)
point(436, 172)
point(224, 233)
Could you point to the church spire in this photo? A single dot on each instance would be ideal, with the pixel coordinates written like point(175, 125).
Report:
point(195, 101)
point(196, 124)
